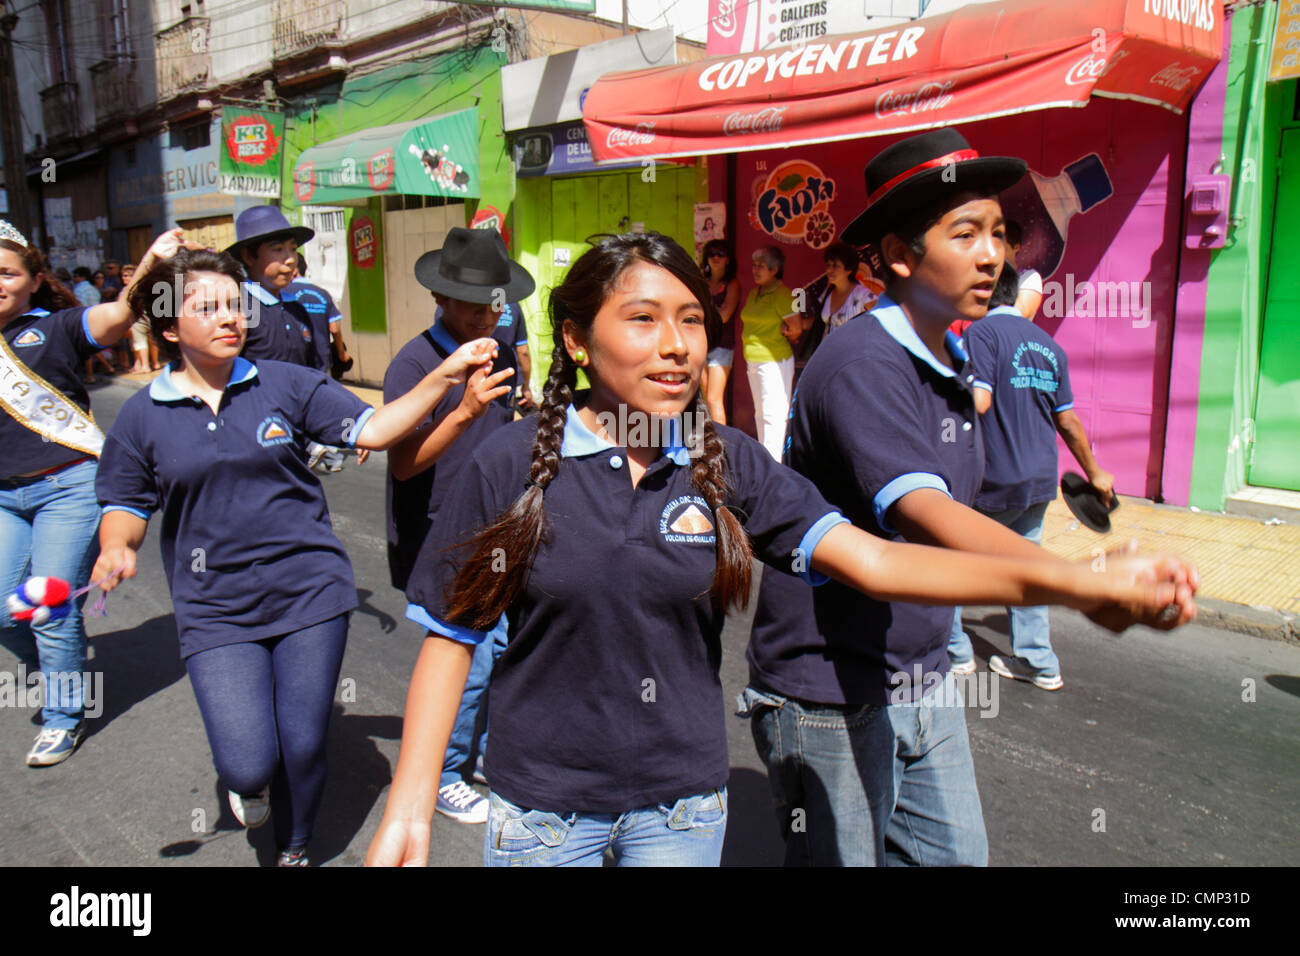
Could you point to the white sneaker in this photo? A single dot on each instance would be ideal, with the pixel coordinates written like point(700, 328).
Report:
point(963, 667)
point(252, 811)
point(462, 804)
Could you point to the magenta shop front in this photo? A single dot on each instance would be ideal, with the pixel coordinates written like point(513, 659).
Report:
point(1108, 300)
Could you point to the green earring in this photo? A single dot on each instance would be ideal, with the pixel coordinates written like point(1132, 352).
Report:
point(580, 357)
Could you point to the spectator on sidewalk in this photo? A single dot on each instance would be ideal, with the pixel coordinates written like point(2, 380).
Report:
point(467, 276)
point(771, 323)
point(1023, 395)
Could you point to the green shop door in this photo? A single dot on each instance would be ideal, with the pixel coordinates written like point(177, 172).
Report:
point(1275, 462)
point(554, 215)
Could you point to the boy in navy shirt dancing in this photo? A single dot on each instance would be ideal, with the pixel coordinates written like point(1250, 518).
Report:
point(471, 278)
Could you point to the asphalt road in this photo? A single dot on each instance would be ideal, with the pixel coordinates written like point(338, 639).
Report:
point(1162, 749)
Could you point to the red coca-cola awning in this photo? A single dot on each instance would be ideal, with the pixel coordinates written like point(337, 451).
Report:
point(977, 62)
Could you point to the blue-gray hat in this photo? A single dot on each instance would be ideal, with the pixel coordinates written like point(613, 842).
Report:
point(262, 222)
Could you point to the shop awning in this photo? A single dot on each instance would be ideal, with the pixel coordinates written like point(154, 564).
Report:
point(434, 156)
point(977, 62)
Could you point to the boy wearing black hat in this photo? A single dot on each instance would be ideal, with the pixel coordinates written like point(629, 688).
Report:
point(847, 693)
point(472, 280)
point(278, 328)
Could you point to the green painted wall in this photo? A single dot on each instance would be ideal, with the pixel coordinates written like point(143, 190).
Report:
point(1235, 290)
point(406, 91)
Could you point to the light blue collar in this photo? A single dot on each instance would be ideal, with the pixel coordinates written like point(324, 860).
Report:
point(580, 441)
point(162, 389)
point(261, 293)
point(38, 312)
point(891, 315)
point(1005, 310)
point(442, 336)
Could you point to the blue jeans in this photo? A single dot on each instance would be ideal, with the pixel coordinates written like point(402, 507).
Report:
point(47, 528)
point(266, 706)
point(473, 711)
point(688, 832)
point(871, 786)
point(1031, 628)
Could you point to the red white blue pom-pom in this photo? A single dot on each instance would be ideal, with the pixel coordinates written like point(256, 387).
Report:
point(38, 600)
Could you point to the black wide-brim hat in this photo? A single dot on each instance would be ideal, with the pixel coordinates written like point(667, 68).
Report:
point(910, 174)
point(263, 222)
point(1085, 502)
point(471, 266)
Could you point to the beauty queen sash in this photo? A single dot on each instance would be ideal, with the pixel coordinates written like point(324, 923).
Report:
point(40, 406)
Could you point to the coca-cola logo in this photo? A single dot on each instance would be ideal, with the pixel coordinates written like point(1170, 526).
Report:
point(724, 22)
point(1174, 78)
point(931, 96)
point(642, 135)
point(764, 121)
point(1086, 70)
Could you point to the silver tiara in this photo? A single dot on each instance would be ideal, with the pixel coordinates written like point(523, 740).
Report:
point(7, 231)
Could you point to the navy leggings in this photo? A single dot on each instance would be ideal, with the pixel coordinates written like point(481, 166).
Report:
point(266, 707)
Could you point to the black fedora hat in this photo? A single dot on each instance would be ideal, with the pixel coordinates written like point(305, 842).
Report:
point(906, 174)
point(263, 222)
point(1085, 503)
point(471, 265)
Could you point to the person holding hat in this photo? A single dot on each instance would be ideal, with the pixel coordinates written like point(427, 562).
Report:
point(1023, 396)
point(472, 279)
point(849, 694)
point(279, 327)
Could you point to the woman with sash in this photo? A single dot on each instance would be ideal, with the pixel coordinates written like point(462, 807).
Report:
point(48, 510)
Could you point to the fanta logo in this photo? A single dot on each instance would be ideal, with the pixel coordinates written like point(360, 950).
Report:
point(641, 136)
point(1086, 70)
point(30, 337)
point(381, 169)
point(685, 520)
point(793, 204)
point(274, 431)
point(764, 121)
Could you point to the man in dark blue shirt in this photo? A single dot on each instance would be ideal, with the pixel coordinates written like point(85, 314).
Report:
point(472, 280)
point(1023, 395)
point(278, 328)
point(853, 708)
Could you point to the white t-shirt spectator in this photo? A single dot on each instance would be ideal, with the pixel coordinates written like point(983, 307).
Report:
point(860, 299)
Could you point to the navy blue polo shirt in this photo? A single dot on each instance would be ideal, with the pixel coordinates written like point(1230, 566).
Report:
point(54, 345)
point(873, 419)
point(510, 327)
point(413, 503)
point(279, 329)
point(320, 309)
point(1029, 376)
point(607, 697)
point(246, 538)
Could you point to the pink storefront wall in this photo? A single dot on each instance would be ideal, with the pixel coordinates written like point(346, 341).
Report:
point(1119, 363)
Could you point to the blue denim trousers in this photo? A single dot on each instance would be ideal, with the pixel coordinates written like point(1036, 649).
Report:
point(871, 786)
point(48, 527)
point(1031, 627)
point(688, 832)
point(469, 732)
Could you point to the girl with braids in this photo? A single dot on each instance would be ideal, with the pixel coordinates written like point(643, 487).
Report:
point(615, 558)
point(51, 445)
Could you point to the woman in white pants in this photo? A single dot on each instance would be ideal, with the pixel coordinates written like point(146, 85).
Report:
point(771, 324)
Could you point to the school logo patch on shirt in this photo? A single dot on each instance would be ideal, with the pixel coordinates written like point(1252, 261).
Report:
point(685, 520)
point(30, 337)
point(274, 431)
point(306, 334)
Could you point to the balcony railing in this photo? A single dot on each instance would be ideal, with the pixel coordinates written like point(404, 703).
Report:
point(59, 110)
point(184, 62)
point(303, 24)
point(113, 87)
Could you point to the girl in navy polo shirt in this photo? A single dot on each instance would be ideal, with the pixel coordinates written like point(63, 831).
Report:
point(260, 584)
point(615, 546)
point(48, 512)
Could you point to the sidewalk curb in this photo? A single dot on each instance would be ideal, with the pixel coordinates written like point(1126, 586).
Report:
point(1257, 621)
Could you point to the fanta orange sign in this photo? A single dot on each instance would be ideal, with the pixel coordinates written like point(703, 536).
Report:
point(792, 204)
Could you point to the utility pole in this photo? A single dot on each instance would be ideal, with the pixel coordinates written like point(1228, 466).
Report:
point(11, 120)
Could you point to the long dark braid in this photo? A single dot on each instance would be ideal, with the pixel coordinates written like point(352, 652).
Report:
point(734, 569)
point(481, 593)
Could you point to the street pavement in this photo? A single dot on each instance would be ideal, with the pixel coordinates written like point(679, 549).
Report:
point(1162, 749)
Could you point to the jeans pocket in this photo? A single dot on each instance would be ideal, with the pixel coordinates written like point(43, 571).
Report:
point(704, 811)
point(515, 830)
point(749, 702)
point(78, 476)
